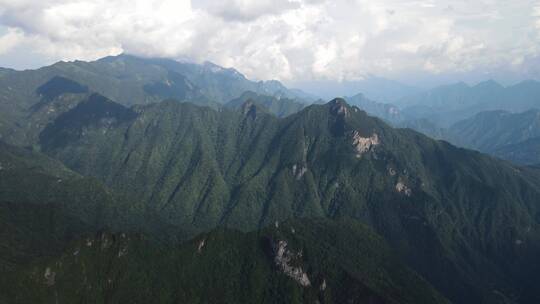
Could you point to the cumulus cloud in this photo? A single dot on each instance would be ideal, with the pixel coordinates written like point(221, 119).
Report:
point(245, 10)
point(284, 39)
point(10, 39)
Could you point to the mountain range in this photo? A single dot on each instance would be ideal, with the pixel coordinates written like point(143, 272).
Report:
point(375, 88)
point(446, 105)
point(126, 79)
point(510, 136)
point(148, 180)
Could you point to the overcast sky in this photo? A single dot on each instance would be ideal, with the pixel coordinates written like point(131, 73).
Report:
point(289, 40)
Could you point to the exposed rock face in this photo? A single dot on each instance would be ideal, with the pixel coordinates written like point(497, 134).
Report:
point(338, 107)
point(393, 111)
point(50, 276)
point(402, 188)
point(364, 144)
point(249, 109)
point(201, 245)
point(122, 252)
point(106, 242)
point(299, 171)
point(283, 259)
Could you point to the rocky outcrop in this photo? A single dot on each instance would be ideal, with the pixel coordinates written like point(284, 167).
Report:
point(201, 245)
point(284, 258)
point(249, 109)
point(339, 107)
point(299, 171)
point(364, 144)
point(50, 277)
point(401, 187)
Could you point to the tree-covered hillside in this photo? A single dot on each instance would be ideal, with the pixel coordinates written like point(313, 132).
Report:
point(130, 181)
point(474, 218)
point(293, 262)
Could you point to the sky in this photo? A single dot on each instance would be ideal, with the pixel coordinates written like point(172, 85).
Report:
point(416, 41)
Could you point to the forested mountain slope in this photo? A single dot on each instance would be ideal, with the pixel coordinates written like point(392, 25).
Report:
point(474, 218)
point(293, 262)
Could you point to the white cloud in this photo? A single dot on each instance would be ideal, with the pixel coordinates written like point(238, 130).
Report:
point(245, 10)
point(284, 39)
point(10, 39)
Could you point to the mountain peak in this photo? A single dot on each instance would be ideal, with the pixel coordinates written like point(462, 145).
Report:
point(249, 108)
point(338, 106)
point(217, 69)
point(489, 84)
point(359, 95)
point(527, 85)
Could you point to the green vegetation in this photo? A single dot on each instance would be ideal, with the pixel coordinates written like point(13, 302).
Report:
point(526, 152)
point(280, 107)
point(473, 218)
point(511, 136)
point(43, 205)
point(381, 215)
point(343, 262)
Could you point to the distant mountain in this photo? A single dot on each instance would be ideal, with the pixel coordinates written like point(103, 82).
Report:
point(278, 106)
point(215, 82)
point(446, 105)
point(128, 80)
point(432, 130)
point(29, 99)
point(443, 209)
point(375, 88)
point(488, 131)
point(526, 152)
point(510, 136)
point(299, 94)
point(388, 112)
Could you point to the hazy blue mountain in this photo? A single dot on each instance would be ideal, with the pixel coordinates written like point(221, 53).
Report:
point(487, 131)
point(446, 105)
point(511, 136)
point(385, 111)
point(278, 106)
point(526, 152)
point(374, 88)
point(432, 130)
